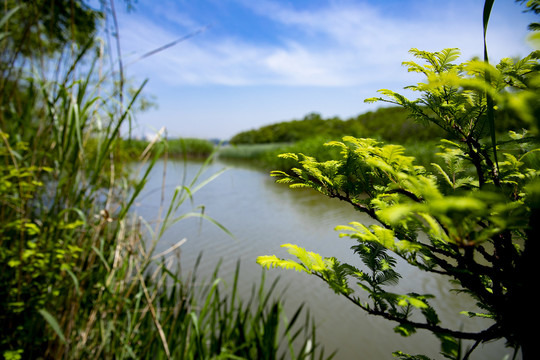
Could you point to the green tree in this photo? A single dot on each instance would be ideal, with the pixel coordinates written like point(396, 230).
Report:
point(38, 36)
point(46, 26)
point(473, 219)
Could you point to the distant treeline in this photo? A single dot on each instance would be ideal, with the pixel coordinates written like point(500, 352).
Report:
point(308, 135)
point(389, 124)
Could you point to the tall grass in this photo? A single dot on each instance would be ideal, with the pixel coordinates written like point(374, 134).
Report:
point(176, 148)
point(251, 152)
point(266, 156)
point(79, 279)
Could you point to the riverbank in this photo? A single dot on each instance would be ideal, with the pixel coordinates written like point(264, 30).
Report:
point(266, 156)
point(179, 148)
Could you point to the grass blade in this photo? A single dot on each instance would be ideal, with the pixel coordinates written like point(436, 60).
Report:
point(53, 324)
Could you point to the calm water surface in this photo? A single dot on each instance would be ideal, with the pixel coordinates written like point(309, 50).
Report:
point(263, 215)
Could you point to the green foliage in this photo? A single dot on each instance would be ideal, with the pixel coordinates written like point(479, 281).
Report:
point(48, 25)
point(388, 124)
point(80, 278)
point(254, 153)
point(314, 146)
point(175, 148)
point(266, 155)
point(392, 124)
point(471, 216)
point(55, 215)
point(291, 131)
point(533, 6)
point(188, 147)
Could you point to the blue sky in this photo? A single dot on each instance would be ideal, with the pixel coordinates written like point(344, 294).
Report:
point(257, 62)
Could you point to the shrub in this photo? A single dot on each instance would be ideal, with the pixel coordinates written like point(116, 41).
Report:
point(472, 218)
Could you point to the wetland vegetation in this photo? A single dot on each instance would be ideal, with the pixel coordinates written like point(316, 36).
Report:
point(84, 275)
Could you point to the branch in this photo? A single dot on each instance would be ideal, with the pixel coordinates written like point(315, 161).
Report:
point(407, 193)
point(360, 207)
point(485, 335)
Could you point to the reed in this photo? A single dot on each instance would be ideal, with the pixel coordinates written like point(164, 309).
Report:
point(266, 156)
point(251, 152)
point(190, 148)
point(80, 278)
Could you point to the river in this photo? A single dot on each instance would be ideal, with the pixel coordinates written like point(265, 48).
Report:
point(262, 215)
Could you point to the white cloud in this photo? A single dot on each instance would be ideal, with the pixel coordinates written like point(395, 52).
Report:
point(340, 44)
point(320, 58)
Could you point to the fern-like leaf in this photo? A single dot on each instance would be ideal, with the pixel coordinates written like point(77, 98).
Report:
point(272, 261)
